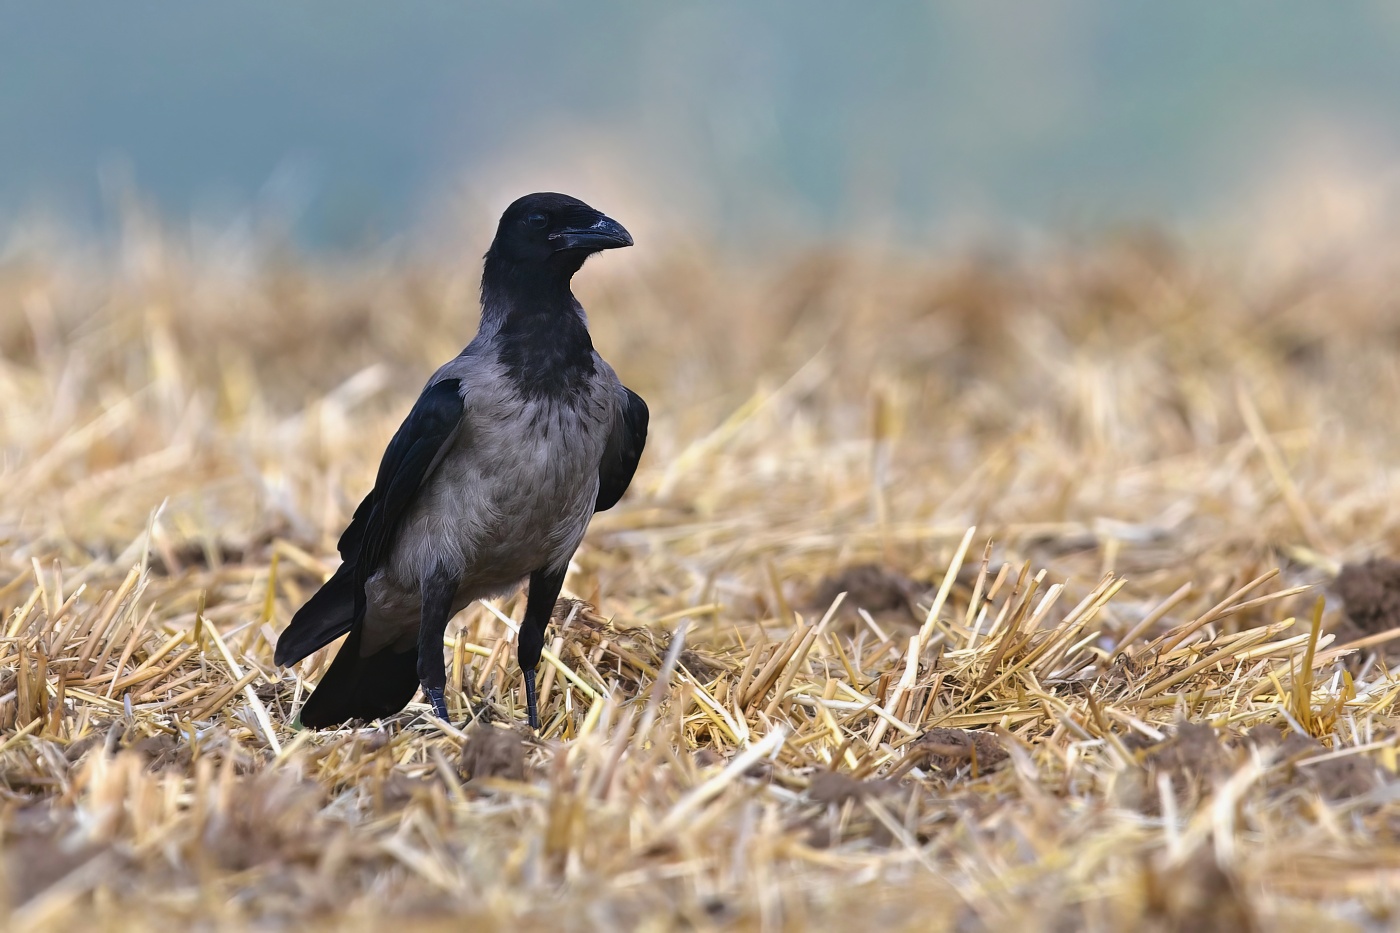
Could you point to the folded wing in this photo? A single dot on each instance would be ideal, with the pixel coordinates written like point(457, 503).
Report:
point(408, 461)
point(623, 451)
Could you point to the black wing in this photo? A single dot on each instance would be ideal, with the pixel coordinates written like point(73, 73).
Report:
point(333, 610)
point(623, 452)
point(408, 460)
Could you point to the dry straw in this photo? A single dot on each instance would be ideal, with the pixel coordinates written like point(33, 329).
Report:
point(946, 666)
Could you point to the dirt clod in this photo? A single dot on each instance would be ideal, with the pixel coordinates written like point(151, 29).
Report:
point(951, 749)
point(871, 587)
point(706, 758)
point(34, 863)
point(399, 789)
point(265, 823)
point(1370, 592)
point(1193, 750)
point(162, 751)
point(1343, 778)
point(832, 787)
point(1199, 896)
point(491, 752)
point(1334, 779)
point(702, 667)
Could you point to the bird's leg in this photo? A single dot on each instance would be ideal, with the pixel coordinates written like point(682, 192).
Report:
point(539, 606)
point(437, 592)
point(532, 703)
point(437, 697)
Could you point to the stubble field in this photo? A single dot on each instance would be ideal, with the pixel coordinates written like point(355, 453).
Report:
point(1091, 670)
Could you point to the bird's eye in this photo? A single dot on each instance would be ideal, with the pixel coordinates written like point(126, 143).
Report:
point(538, 221)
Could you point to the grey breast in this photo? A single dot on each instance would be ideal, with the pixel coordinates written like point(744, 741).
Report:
point(514, 493)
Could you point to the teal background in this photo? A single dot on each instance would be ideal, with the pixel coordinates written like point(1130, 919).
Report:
point(347, 121)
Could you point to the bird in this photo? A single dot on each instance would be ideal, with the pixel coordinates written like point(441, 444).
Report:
point(491, 480)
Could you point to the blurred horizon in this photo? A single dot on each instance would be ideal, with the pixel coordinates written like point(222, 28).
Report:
point(345, 125)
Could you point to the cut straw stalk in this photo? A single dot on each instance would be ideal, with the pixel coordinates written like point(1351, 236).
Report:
point(905, 684)
point(1074, 622)
point(663, 681)
point(1151, 619)
point(259, 710)
point(221, 699)
point(946, 587)
point(1369, 641)
point(1235, 652)
point(1060, 645)
point(918, 641)
point(759, 685)
point(1016, 607)
point(870, 704)
point(1273, 461)
point(130, 647)
point(1173, 638)
point(975, 609)
point(144, 670)
point(799, 656)
point(1303, 680)
point(697, 797)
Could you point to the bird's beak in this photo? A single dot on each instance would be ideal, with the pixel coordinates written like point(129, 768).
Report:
point(603, 233)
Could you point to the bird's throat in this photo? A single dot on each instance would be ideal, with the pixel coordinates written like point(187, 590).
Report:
point(538, 327)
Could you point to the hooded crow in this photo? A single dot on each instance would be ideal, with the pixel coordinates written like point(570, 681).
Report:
point(491, 479)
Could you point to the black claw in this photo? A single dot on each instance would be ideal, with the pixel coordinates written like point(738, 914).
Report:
point(531, 701)
point(436, 698)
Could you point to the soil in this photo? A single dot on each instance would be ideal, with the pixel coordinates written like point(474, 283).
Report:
point(1193, 750)
point(949, 750)
point(162, 751)
point(266, 823)
point(832, 787)
point(491, 752)
point(876, 589)
point(1334, 779)
point(1198, 896)
point(702, 667)
point(1370, 591)
point(1196, 751)
point(35, 863)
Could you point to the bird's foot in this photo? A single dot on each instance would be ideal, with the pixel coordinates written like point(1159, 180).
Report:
point(531, 700)
point(435, 697)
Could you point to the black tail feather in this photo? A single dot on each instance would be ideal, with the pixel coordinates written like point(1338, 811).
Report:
point(327, 615)
point(361, 688)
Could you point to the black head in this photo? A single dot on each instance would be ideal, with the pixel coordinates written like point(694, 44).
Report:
point(555, 232)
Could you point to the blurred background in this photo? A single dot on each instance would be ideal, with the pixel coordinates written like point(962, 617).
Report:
point(351, 123)
point(1087, 229)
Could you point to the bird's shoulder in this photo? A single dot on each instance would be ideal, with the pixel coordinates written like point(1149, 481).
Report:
point(605, 374)
point(477, 372)
point(610, 384)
